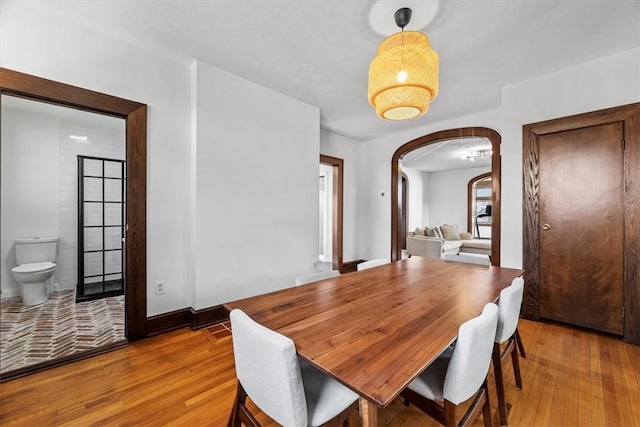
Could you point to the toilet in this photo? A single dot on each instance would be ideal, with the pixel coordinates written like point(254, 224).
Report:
point(36, 264)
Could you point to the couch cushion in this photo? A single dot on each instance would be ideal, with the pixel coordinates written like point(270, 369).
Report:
point(451, 245)
point(477, 244)
point(450, 232)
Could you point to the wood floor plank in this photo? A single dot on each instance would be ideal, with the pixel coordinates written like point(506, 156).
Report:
point(584, 384)
point(631, 366)
point(571, 376)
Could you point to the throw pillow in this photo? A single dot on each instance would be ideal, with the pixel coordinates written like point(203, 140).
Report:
point(430, 232)
point(438, 232)
point(450, 232)
point(419, 232)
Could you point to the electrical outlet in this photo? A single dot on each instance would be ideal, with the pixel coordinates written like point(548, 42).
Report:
point(160, 287)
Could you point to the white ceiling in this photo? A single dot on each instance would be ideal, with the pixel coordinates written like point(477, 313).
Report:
point(447, 155)
point(319, 51)
point(64, 113)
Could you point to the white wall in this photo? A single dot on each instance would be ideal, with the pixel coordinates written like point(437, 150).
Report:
point(256, 191)
point(376, 179)
point(56, 49)
point(604, 83)
point(448, 199)
point(29, 207)
point(347, 149)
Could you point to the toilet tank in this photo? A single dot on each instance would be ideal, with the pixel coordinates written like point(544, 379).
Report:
point(36, 249)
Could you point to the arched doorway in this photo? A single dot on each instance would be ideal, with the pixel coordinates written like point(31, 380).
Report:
point(396, 180)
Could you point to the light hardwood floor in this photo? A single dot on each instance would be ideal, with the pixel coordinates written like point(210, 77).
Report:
point(571, 377)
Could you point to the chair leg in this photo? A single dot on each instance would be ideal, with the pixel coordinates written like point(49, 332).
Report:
point(450, 414)
point(516, 367)
point(486, 408)
point(234, 417)
point(239, 413)
point(520, 344)
point(497, 370)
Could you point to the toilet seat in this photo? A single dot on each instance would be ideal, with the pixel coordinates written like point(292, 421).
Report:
point(34, 267)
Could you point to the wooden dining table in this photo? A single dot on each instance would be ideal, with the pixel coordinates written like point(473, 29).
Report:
point(375, 330)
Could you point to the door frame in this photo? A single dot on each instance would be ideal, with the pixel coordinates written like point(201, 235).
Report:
point(404, 209)
point(630, 116)
point(470, 198)
point(135, 115)
point(336, 208)
point(492, 136)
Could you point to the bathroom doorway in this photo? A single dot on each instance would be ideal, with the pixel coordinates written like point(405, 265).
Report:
point(41, 150)
point(134, 117)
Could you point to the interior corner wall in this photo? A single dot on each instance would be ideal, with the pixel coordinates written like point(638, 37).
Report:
point(607, 82)
point(256, 187)
point(448, 199)
point(347, 149)
point(49, 46)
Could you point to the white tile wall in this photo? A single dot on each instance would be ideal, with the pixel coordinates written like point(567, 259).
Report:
point(103, 142)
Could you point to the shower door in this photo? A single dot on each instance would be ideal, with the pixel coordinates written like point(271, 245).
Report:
point(101, 227)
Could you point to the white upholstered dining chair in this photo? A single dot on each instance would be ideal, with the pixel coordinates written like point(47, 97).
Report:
point(314, 277)
point(509, 305)
point(292, 393)
point(371, 263)
point(458, 374)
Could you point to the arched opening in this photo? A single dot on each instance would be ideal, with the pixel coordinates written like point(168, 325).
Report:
point(396, 182)
point(479, 208)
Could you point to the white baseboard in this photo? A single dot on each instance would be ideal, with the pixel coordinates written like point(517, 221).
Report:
point(9, 293)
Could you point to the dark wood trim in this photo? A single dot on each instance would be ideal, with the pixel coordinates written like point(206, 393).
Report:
point(496, 198)
point(404, 211)
point(208, 316)
point(630, 116)
point(166, 322)
point(337, 212)
point(39, 367)
point(470, 198)
point(135, 114)
point(195, 319)
point(350, 266)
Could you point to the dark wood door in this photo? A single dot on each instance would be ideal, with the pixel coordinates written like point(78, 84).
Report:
point(582, 227)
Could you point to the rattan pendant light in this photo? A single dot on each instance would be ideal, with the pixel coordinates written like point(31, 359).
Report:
point(403, 77)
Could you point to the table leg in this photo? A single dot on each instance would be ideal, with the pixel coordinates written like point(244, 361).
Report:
point(368, 413)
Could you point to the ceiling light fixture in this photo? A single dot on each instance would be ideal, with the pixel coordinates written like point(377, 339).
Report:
point(403, 77)
point(477, 155)
point(79, 138)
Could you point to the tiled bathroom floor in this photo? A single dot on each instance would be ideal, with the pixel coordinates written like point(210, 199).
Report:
point(57, 328)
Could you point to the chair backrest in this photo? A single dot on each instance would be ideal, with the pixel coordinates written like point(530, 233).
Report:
point(509, 304)
point(372, 263)
point(471, 356)
point(267, 367)
point(314, 277)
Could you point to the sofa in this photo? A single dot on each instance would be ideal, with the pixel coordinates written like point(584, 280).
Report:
point(444, 240)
